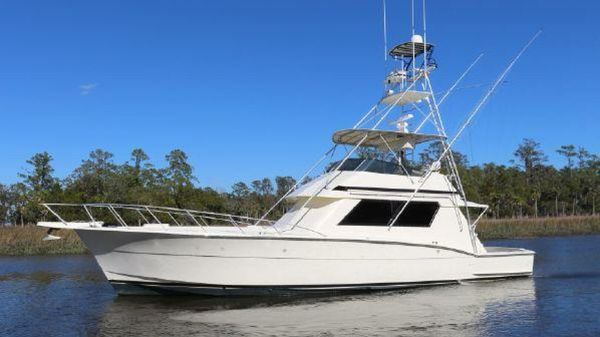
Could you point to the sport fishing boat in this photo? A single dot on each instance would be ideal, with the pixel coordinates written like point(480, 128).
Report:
point(372, 220)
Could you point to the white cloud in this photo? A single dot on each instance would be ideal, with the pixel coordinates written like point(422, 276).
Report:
point(86, 89)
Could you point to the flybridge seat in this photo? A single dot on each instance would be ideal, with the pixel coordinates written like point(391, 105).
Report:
point(382, 139)
point(410, 49)
point(405, 97)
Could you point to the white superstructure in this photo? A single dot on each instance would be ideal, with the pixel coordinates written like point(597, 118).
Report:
point(372, 220)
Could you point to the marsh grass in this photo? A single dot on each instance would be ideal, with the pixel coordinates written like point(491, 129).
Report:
point(490, 229)
point(27, 240)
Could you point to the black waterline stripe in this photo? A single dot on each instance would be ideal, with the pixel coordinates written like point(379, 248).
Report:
point(314, 286)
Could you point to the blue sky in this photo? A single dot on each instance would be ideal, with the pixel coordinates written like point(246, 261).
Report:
point(255, 88)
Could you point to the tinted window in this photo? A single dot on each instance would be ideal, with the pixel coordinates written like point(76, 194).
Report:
point(367, 165)
point(381, 212)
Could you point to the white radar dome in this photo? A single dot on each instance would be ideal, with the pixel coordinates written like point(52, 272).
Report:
point(416, 39)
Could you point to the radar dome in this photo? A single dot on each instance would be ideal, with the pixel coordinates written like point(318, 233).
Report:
point(416, 39)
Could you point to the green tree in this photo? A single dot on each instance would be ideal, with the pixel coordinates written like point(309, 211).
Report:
point(180, 177)
point(38, 185)
point(139, 157)
point(5, 205)
point(39, 178)
point(569, 152)
point(570, 178)
point(94, 180)
point(20, 201)
point(531, 158)
point(284, 184)
point(240, 190)
point(242, 200)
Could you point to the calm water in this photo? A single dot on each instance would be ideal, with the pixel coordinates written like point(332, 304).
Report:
point(68, 296)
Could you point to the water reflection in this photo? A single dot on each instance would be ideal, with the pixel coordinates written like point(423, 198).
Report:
point(463, 310)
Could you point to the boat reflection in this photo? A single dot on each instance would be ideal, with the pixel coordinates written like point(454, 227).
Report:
point(465, 310)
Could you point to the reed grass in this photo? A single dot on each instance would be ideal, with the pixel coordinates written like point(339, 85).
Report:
point(491, 229)
point(27, 240)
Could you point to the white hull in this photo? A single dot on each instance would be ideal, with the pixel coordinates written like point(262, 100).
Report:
point(138, 262)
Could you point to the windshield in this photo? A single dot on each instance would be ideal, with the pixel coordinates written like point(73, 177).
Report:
point(367, 165)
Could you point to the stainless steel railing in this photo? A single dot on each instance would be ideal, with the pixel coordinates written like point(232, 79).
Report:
point(135, 215)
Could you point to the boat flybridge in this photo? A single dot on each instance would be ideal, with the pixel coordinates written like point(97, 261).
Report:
point(372, 220)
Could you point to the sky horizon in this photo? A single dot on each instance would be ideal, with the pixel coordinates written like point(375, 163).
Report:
point(255, 89)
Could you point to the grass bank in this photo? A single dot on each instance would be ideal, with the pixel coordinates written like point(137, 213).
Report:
point(19, 241)
point(491, 229)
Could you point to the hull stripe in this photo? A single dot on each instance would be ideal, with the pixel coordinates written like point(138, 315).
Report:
point(287, 238)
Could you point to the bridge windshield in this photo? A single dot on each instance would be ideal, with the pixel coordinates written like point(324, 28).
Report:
point(367, 165)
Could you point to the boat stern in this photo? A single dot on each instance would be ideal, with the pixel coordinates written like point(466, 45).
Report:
point(503, 262)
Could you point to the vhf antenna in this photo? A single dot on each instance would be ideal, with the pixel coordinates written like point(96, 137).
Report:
point(385, 48)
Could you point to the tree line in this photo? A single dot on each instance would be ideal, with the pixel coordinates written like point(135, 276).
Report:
point(528, 187)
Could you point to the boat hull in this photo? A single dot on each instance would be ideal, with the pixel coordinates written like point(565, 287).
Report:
point(140, 262)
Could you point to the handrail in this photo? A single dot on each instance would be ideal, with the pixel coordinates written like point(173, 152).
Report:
point(205, 217)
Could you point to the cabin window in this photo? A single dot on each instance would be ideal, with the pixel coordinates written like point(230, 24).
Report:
point(381, 212)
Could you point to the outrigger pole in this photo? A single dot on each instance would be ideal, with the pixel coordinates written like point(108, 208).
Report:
point(490, 91)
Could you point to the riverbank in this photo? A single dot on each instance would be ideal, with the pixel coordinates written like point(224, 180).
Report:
point(19, 241)
point(27, 240)
point(493, 229)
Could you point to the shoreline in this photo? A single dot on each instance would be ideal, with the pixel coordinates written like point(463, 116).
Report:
point(27, 240)
point(522, 228)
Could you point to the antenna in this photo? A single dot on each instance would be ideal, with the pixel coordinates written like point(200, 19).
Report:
point(412, 18)
point(412, 35)
point(385, 48)
point(425, 36)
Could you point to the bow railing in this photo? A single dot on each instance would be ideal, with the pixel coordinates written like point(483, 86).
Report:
point(109, 214)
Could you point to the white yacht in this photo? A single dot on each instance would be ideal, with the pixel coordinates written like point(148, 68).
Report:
point(370, 221)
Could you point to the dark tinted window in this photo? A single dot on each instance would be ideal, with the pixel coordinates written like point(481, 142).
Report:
point(367, 165)
point(381, 212)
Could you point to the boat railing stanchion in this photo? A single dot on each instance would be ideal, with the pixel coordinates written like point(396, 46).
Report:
point(194, 219)
point(88, 213)
point(201, 217)
point(236, 224)
point(152, 215)
point(143, 216)
point(173, 218)
point(56, 214)
point(474, 224)
point(116, 215)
